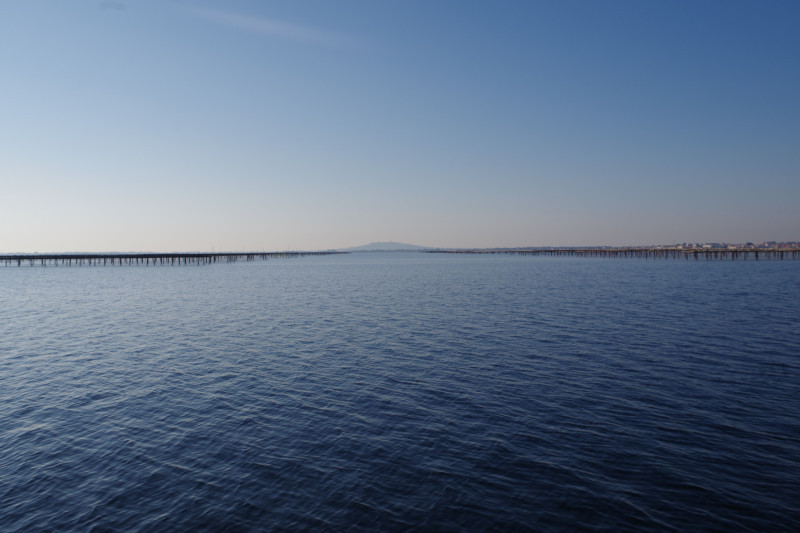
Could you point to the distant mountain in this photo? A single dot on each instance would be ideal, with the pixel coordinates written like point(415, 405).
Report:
point(385, 247)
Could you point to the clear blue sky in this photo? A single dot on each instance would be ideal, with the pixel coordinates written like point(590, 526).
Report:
point(228, 125)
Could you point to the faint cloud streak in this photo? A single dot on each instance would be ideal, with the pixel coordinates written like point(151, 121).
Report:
point(274, 28)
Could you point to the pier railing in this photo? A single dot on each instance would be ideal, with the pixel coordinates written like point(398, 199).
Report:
point(122, 259)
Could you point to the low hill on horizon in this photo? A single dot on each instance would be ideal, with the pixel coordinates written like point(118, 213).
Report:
point(390, 246)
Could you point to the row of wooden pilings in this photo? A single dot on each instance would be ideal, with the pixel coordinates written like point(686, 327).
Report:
point(648, 253)
point(146, 259)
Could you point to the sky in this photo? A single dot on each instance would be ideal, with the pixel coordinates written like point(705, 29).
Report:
point(178, 125)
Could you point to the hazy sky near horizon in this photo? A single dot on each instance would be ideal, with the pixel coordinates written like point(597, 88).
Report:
point(228, 125)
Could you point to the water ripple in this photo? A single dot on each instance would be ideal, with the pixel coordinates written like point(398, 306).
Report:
point(401, 391)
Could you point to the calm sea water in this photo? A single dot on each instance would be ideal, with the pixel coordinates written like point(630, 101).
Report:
point(402, 391)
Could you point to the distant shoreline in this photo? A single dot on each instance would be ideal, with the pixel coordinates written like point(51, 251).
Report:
point(642, 252)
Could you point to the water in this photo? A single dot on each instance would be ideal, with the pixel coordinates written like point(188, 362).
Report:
point(401, 391)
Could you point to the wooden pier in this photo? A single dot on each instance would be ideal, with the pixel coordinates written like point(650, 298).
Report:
point(707, 254)
point(146, 259)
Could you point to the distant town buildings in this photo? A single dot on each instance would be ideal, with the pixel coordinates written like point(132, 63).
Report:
point(767, 245)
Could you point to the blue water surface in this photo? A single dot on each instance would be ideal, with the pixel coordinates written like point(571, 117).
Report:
point(402, 391)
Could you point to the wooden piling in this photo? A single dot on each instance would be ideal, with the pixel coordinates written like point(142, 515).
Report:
point(147, 259)
point(709, 254)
